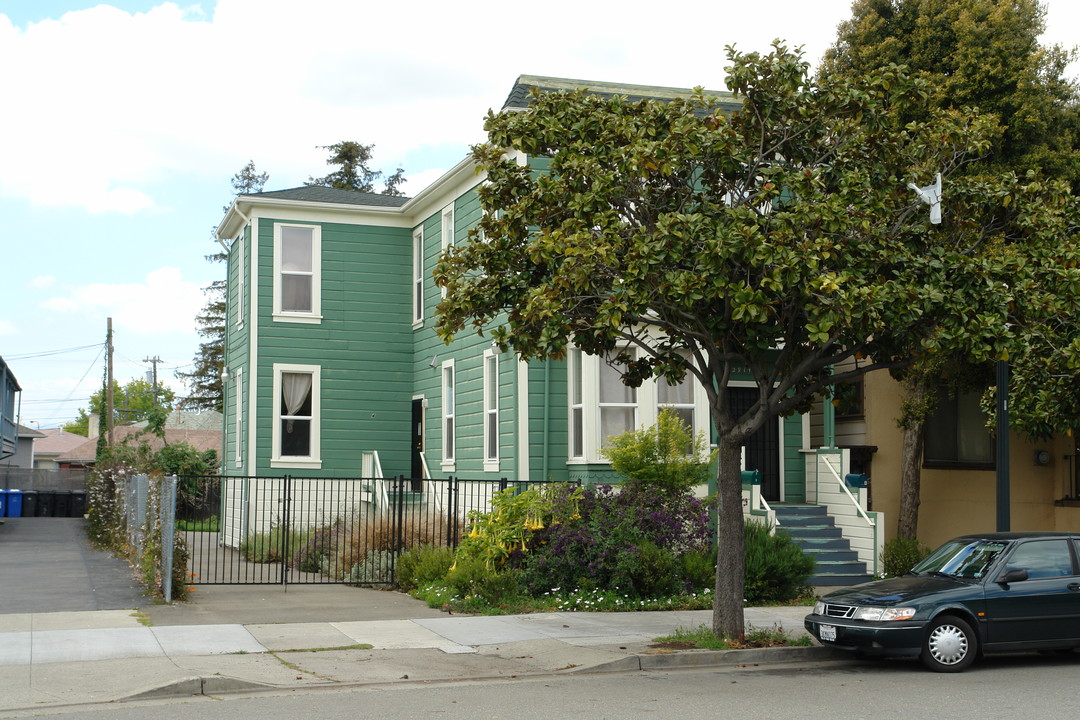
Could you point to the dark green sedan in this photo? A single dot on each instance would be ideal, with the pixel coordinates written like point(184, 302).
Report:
point(993, 592)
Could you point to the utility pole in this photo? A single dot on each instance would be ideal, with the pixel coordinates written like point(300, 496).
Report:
point(154, 360)
point(109, 385)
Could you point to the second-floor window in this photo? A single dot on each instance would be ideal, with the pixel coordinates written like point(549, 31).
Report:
point(297, 272)
point(418, 275)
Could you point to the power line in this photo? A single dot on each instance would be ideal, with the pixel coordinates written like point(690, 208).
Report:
point(49, 353)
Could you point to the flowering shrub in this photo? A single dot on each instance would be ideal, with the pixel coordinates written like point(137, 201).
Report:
point(630, 539)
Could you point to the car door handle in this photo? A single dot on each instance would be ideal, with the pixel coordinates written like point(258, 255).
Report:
point(1073, 586)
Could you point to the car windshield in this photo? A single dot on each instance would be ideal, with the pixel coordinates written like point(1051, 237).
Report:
point(961, 558)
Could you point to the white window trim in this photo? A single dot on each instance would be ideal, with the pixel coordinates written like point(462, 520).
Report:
point(314, 460)
point(491, 407)
point(449, 459)
point(647, 410)
point(241, 282)
point(238, 458)
point(315, 316)
point(576, 360)
point(418, 277)
point(446, 234)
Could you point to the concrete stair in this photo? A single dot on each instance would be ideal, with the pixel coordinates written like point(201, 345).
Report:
point(816, 533)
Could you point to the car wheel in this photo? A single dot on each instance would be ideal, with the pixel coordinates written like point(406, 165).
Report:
point(950, 645)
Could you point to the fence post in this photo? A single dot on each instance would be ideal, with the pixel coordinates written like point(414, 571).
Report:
point(168, 535)
point(285, 511)
point(451, 511)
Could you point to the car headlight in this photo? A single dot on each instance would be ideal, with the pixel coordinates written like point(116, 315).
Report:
point(883, 614)
point(819, 608)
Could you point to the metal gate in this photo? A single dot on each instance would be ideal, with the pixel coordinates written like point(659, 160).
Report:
point(308, 530)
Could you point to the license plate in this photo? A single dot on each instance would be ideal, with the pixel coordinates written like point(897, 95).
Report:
point(827, 633)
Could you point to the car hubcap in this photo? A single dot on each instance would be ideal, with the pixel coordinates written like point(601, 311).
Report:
point(948, 644)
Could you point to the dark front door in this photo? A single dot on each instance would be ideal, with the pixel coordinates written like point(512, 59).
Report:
point(417, 431)
point(763, 447)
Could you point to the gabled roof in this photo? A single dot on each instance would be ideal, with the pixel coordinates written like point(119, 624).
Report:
point(57, 441)
point(25, 432)
point(519, 94)
point(316, 193)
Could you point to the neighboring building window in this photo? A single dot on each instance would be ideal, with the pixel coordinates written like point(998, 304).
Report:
point(447, 235)
point(491, 410)
point(577, 408)
point(239, 456)
point(241, 281)
point(448, 422)
point(418, 275)
point(618, 402)
point(956, 434)
point(296, 416)
point(848, 399)
point(297, 272)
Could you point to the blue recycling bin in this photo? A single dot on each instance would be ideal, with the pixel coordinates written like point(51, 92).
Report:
point(13, 507)
point(3, 503)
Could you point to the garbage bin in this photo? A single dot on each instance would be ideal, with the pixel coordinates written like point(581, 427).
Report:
point(14, 503)
point(3, 503)
point(46, 504)
point(63, 503)
point(29, 503)
point(78, 503)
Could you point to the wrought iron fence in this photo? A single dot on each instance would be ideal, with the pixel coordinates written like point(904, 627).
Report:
point(314, 530)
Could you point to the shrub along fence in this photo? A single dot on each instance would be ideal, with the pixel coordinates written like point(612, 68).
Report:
point(314, 530)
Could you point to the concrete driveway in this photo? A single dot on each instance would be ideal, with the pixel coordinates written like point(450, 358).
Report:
point(48, 565)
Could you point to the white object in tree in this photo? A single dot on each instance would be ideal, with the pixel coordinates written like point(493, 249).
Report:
point(931, 195)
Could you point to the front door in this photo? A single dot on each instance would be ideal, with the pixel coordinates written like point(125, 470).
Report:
point(763, 447)
point(417, 441)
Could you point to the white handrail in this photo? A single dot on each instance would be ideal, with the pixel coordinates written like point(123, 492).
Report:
point(843, 485)
point(378, 487)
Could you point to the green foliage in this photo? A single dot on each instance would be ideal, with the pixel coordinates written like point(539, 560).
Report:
point(272, 546)
point(902, 554)
point(422, 566)
point(353, 172)
point(777, 236)
point(514, 516)
point(776, 568)
point(698, 569)
point(703, 637)
point(472, 579)
point(132, 402)
point(664, 458)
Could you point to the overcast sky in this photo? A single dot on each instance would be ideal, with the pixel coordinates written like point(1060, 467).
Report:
point(123, 123)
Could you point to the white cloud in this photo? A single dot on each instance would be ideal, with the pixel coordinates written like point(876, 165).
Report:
point(164, 303)
point(41, 282)
point(123, 101)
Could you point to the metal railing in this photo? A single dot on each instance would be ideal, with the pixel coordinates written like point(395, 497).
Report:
point(317, 530)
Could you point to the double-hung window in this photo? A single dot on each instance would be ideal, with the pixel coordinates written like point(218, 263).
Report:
point(297, 272)
point(577, 406)
point(491, 410)
point(449, 445)
point(617, 402)
point(296, 416)
point(241, 279)
point(447, 234)
point(418, 275)
point(238, 458)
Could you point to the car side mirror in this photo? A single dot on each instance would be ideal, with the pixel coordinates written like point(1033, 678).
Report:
point(1013, 575)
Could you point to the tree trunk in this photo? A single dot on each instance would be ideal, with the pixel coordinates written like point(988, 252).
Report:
point(907, 520)
point(730, 541)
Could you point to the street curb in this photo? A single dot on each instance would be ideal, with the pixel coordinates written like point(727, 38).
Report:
point(197, 686)
point(710, 658)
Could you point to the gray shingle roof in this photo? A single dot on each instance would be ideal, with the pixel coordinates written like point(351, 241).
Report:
point(519, 94)
point(316, 193)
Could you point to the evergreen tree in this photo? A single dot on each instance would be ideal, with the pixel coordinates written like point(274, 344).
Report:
point(353, 173)
point(205, 391)
point(980, 54)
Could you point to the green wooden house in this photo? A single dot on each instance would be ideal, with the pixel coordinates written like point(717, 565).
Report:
point(333, 367)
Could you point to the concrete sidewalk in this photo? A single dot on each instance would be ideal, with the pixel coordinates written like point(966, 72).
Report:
point(51, 659)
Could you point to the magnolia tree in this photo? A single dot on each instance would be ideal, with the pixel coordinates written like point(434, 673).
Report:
point(781, 239)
